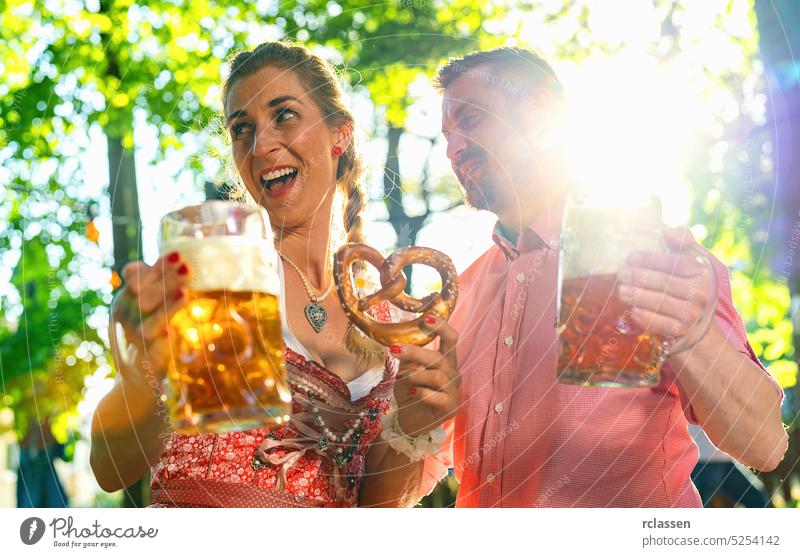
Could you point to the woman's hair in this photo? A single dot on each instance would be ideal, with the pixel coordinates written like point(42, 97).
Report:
point(322, 84)
point(323, 88)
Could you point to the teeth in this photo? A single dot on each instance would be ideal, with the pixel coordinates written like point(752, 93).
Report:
point(278, 173)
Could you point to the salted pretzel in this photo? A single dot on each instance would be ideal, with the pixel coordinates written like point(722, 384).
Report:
point(393, 283)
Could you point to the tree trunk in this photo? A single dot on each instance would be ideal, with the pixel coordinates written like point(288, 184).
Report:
point(124, 204)
point(406, 227)
point(127, 237)
point(124, 196)
point(127, 247)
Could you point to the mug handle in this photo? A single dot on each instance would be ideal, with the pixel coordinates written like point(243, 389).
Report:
point(697, 332)
point(122, 351)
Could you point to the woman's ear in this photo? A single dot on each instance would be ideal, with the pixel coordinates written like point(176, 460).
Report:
point(344, 136)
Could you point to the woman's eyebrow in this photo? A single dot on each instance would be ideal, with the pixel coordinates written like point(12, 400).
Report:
point(274, 102)
point(283, 98)
point(236, 114)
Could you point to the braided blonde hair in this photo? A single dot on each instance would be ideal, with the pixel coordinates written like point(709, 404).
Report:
point(322, 84)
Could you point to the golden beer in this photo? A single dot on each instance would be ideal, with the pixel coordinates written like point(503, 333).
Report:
point(226, 362)
point(599, 343)
point(226, 366)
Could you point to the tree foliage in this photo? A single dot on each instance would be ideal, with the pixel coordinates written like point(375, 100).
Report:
point(70, 68)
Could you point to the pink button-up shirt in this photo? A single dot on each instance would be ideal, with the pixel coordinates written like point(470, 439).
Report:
point(521, 438)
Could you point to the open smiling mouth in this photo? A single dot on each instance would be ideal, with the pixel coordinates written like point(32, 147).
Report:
point(280, 180)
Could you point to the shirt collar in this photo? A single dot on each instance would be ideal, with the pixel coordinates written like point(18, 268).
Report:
point(543, 233)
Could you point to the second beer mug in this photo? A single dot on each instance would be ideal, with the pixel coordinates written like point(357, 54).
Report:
point(599, 343)
point(226, 370)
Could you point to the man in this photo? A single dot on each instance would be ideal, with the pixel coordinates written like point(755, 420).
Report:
point(521, 438)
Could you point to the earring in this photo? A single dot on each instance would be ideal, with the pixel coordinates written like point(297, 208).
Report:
point(336, 151)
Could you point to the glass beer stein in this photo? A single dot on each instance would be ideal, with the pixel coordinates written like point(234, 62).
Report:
point(599, 342)
point(226, 370)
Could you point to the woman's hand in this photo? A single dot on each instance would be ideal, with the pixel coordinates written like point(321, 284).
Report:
point(426, 390)
point(142, 309)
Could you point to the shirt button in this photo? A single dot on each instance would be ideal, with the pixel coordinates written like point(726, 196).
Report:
point(489, 478)
point(498, 407)
point(509, 341)
point(521, 277)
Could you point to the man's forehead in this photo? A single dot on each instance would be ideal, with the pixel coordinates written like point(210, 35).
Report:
point(469, 89)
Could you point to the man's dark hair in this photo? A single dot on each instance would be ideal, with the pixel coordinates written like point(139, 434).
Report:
point(516, 70)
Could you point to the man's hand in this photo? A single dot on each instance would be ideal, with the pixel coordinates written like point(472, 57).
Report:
point(670, 293)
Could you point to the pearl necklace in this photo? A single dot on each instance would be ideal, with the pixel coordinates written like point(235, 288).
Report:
point(316, 314)
point(354, 432)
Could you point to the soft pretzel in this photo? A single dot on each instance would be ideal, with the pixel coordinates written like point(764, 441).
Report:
point(393, 283)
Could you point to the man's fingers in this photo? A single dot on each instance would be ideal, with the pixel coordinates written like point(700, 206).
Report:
point(662, 325)
point(680, 287)
point(678, 238)
point(659, 302)
point(675, 265)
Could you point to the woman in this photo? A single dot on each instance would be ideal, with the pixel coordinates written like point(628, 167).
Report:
point(292, 143)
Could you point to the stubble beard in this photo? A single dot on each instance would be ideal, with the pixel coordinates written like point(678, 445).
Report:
point(480, 196)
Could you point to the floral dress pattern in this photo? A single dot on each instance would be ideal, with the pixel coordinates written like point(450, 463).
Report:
point(290, 465)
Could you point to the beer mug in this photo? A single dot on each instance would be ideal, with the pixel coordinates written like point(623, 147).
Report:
point(226, 364)
point(599, 342)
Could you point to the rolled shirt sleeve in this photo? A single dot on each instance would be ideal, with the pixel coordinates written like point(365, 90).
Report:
point(732, 327)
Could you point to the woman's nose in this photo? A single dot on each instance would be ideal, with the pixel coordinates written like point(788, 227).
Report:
point(265, 141)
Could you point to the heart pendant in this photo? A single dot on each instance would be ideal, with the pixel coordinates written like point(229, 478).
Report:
point(317, 316)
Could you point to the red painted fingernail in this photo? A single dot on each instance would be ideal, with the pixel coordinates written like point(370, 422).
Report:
point(430, 319)
point(394, 349)
point(183, 269)
point(178, 294)
point(174, 257)
point(412, 390)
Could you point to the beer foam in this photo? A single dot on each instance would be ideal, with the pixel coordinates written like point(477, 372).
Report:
point(594, 242)
point(233, 263)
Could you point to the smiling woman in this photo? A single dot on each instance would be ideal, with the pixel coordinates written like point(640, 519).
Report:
point(292, 144)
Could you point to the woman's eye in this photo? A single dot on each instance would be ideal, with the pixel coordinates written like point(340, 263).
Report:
point(239, 130)
point(284, 114)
